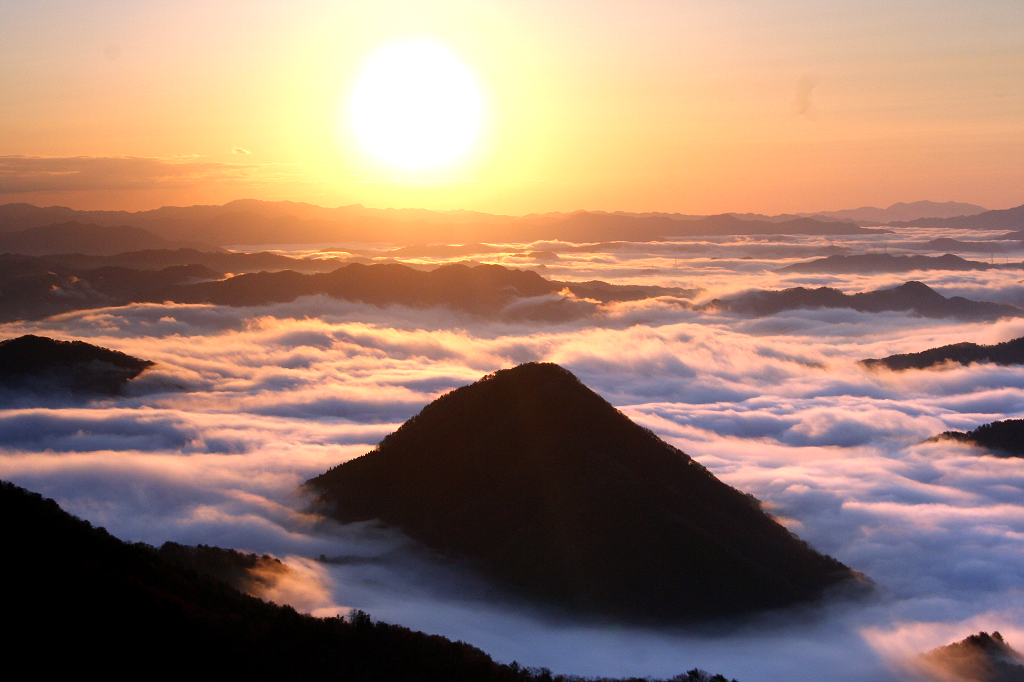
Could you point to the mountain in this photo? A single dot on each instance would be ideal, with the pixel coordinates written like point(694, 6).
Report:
point(915, 297)
point(1005, 353)
point(589, 227)
point(29, 288)
point(43, 364)
point(1005, 219)
point(37, 287)
point(264, 222)
point(540, 484)
point(96, 605)
point(1004, 438)
point(158, 259)
point(882, 262)
point(900, 211)
point(481, 290)
point(991, 247)
point(978, 658)
point(73, 237)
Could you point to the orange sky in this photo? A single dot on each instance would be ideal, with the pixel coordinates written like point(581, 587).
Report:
point(696, 107)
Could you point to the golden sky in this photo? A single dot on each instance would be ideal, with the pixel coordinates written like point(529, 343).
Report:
point(694, 107)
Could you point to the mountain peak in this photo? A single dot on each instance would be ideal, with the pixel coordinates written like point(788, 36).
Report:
point(542, 485)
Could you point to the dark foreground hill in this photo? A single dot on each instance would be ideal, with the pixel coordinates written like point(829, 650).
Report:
point(44, 364)
point(881, 262)
point(978, 658)
point(545, 487)
point(80, 602)
point(1005, 353)
point(915, 297)
point(1004, 438)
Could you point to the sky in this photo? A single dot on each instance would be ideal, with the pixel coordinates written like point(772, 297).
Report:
point(692, 107)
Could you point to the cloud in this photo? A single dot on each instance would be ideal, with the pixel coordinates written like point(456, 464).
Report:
point(245, 404)
point(24, 174)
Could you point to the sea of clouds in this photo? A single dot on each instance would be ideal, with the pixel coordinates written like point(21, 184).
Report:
point(211, 445)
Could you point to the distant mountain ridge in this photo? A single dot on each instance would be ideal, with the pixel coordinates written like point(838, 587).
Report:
point(74, 237)
point(547, 489)
point(915, 297)
point(39, 287)
point(1011, 219)
point(1005, 353)
point(901, 211)
point(882, 262)
point(261, 222)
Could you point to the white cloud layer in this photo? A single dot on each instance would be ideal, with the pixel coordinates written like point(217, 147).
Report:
point(246, 403)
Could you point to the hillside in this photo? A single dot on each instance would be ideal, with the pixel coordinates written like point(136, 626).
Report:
point(42, 364)
point(119, 610)
point(1005, 353)
point(546, 488)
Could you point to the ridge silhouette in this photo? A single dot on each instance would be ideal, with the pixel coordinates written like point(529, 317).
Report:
point(964, 353)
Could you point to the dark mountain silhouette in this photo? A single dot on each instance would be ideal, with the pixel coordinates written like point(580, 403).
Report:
point(542, 485)
point(881, 262)
point(1004, 438)
point(30, 289)
point(73, 237)
point(1005, 353)
point(263, 222)
point(37, 287)
point(978, 658)
point(915, 297)
point(1005, 219)
point(486, 290)
point(44, 364)
point(97, 605)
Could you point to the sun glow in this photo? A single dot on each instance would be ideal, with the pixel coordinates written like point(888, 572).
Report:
point(416, 106)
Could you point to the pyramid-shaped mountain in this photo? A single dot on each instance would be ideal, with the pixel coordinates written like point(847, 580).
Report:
point(548, 489)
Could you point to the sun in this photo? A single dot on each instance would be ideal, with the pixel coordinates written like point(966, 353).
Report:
point(416, 106)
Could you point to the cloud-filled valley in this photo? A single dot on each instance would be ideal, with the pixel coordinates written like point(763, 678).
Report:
point(246, 403)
